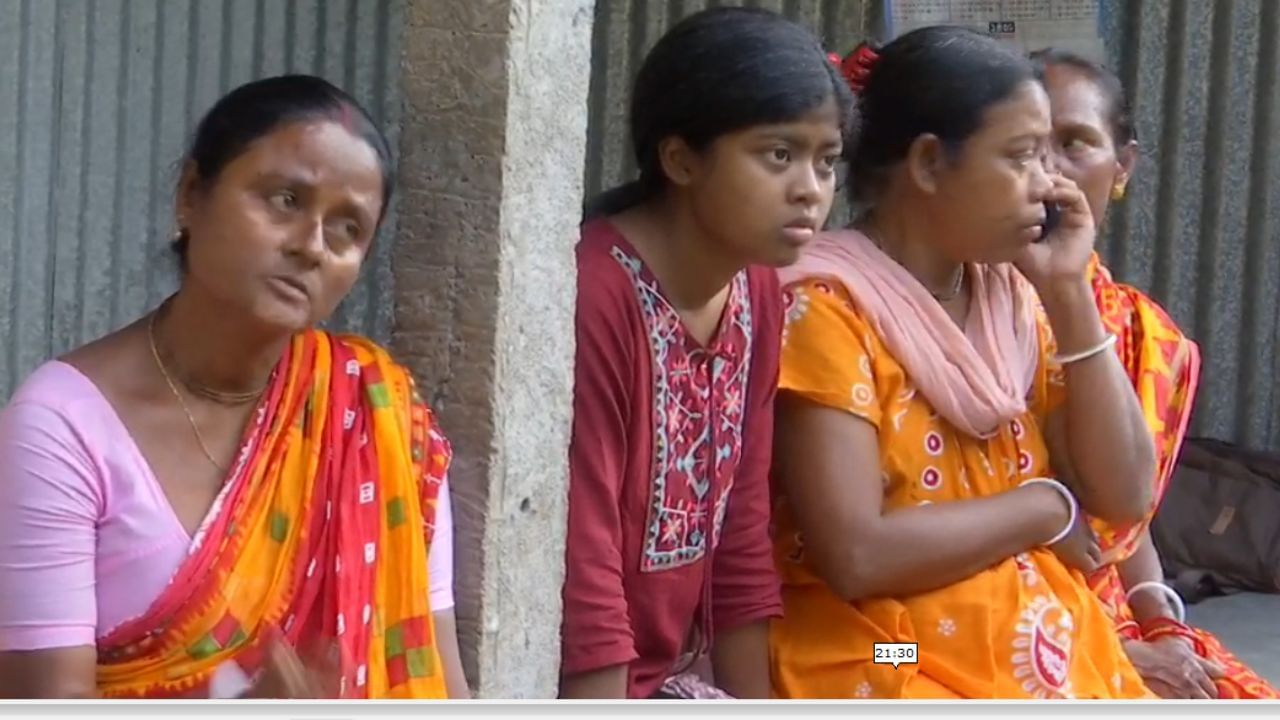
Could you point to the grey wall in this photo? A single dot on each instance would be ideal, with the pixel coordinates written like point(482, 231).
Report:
point(1200, 229)
point(97, 101)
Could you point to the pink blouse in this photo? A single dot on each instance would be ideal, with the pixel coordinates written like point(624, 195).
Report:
point(88, 539)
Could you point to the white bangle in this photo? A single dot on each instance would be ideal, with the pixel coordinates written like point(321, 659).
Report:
point(1098, 349)
point(1179, 607)
point(1073, 507)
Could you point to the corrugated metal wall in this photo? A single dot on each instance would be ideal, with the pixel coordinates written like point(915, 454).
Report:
point(1199, 230)
point(97, 101)
point(1201, 226)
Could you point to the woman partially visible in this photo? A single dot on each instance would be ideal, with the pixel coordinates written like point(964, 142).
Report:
point(1095, 144)
point(923, 389)
point(219, 499)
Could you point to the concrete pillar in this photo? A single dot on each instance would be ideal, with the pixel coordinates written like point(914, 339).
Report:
point(491, 168)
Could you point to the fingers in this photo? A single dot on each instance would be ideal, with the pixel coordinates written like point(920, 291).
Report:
point(1211, 668)
point(1208, 690)
point(290, 670)
point(1066, 194)
point(1195, 676)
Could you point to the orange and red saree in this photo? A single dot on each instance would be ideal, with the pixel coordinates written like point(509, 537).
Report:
point(322, 531)
point(1164, 366)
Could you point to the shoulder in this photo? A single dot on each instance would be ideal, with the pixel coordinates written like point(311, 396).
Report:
point(58, 389)
point(60, 433)
point(821, 301)
point(607, 269)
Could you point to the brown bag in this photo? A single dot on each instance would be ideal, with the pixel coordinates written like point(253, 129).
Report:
point(1218, 526)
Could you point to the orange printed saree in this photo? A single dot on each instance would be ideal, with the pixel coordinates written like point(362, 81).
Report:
point(1164, 366)
point(1025, 628)
point(322, 531)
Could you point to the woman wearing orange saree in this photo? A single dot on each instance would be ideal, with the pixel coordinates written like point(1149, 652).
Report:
point(922, 387)
point(220, 500)
point(1095, 144)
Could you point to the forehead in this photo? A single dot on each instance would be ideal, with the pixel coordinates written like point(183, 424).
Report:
point(1075, 98)
point(320, 151)
point(1024, 112)
point(822, 123)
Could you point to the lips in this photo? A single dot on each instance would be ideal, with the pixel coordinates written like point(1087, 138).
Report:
point(800, 231)
point(293, 285)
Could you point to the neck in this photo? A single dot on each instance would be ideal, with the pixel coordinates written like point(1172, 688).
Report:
point(907, 238)
point(202, 343)
point(691, 267)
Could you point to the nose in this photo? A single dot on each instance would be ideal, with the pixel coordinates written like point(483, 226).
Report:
point(1041, 175)
point(806, 186)
point(306, 241)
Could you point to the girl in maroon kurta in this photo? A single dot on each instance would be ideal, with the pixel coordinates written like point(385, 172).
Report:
point(738, 121)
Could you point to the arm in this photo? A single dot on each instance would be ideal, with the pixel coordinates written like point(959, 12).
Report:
point(48, 518)
point(1104, 448)
point(440, 573)
point(447, 639)
point(1144, 566)
point(863, 552)
point(597, 644)
point(740, 660)
point(744, 590)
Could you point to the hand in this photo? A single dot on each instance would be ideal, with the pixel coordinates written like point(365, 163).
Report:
point(1079, 549)
point(1064, 254)
point(1171, 668)
point(287, 676)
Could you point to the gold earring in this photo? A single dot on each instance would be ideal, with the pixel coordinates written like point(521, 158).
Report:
point(1117, 192)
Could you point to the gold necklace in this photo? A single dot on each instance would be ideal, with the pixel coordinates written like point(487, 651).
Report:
point(155, 353)
point(956, 285)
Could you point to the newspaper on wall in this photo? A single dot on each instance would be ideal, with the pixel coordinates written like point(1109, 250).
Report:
point(1028, 25)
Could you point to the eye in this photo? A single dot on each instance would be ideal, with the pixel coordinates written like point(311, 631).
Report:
point(343, 231)
point(284, 200)
point(1025, 157)
point(780, 155)
point(1075, 145)
point(829, 162)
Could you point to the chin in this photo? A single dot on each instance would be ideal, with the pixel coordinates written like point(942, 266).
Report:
point(284, 319)
point(781, 257)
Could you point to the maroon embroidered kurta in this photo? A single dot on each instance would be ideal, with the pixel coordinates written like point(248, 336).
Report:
point(668, 498)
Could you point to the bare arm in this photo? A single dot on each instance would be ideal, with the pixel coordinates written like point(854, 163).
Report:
point(603, 684)
point(1144, 566)
point(55, 674)
point(829, 463)
point(1109, 455)
point(447, 641)
point(740, 659)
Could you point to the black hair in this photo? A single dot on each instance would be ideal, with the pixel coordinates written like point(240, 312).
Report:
point(256, 109)
point(1119, 117)
point(937, 80)
point(716, 72)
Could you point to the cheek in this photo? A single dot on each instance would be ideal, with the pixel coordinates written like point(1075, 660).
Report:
point(340, 275)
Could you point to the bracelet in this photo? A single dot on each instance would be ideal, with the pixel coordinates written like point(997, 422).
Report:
point(1098, 349)
point(1073, 507)
point(1178, 605)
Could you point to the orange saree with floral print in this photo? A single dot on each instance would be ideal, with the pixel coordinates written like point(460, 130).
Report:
point(322, 530)
point(1164, 366)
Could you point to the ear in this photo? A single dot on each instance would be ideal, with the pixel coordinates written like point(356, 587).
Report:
point(925, 161)
point(1126, 161)
point(188, 194)
point(679, 162)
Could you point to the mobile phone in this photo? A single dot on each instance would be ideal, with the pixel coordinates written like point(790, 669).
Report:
point(1051, 216)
